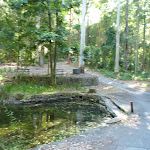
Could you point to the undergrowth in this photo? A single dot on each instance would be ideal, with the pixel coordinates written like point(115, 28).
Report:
point(29, 89)
point(144, 76)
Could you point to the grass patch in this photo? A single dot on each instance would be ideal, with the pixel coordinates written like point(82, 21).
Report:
point(17, 145)
point(28, 89)
point(143, 76)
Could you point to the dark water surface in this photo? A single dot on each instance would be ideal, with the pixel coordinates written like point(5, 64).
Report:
point(24, 127)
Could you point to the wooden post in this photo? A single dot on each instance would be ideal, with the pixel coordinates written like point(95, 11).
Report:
point(131, 106)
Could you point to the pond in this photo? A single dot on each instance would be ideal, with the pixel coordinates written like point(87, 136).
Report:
point(23, 127)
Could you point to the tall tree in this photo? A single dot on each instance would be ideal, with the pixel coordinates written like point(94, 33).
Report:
point(38, 46)
point(144, 37)
point(137, 39)
point(127, 33)
point(117, 40)
point(82, 42)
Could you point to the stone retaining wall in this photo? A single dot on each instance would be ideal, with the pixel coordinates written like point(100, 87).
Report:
point(61, 80)
point(67, 97)
point(58, 97)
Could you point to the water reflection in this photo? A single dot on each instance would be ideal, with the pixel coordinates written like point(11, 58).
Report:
point(39, 124)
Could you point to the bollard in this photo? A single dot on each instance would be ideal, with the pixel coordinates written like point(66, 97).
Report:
point(131, 106)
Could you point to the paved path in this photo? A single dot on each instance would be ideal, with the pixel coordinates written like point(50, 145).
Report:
point(139, 136)
point(133, 134)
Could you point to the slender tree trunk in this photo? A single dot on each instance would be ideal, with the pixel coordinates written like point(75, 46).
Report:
point(37, 46)
point(82, 44)
point(88, 32)
point(99, 35)
point(117, 40)
point(78, 36)
point(18, 60)
point(48, 63)
point(70, 26)
point(70, 37)
point(144, 37)
point(55, 52)
point(127, 33)
point(137, 41)
point(50, 50)
point(132, 45)
point(42, 56)
point(148, 60)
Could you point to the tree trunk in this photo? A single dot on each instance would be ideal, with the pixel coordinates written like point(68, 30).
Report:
point(48, 63)
point(88, 33)
point(117, 40)
point(50, 50)
point(99, 35)
point(82, 44)
point(56, 43)
point(127, 33)
point(137, 41)
point(18, 60)
point(69, 40)
point(144, 37)
point(42, 56)
point(37, 46)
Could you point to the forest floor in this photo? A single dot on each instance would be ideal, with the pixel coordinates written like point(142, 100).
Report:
point(130, 134)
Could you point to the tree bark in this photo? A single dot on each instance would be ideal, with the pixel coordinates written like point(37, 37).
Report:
point(88, 32)
point(37, 46)
point(137, 41)
point(99, 35)
point(42, 56)
point(127, 33)
point(117, 40)
point(144, 37)
point(70, 37)
point(82, 44)
point(56, 43)
point(50, 50)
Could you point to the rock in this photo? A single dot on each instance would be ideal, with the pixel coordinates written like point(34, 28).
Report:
point(114, 120)
point(92, 91)
point(76, 71)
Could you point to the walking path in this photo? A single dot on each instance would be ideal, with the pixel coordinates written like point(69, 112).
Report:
point(132, 134)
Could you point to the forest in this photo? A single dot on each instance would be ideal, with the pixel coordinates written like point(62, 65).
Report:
point(42, 99)
point(46, 31)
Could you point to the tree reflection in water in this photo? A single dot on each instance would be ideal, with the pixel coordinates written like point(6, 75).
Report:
point(39, 124)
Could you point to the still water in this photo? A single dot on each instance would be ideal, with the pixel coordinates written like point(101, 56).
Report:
point(24, 127)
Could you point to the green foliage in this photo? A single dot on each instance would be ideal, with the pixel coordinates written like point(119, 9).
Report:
point(46, 37)
point(124, 75)
point(26, 89)
point(77, 26)
point(92, 56)
point(20, 36)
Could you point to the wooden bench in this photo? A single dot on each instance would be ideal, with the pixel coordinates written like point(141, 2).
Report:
point(59, 71)
point(23, 70)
